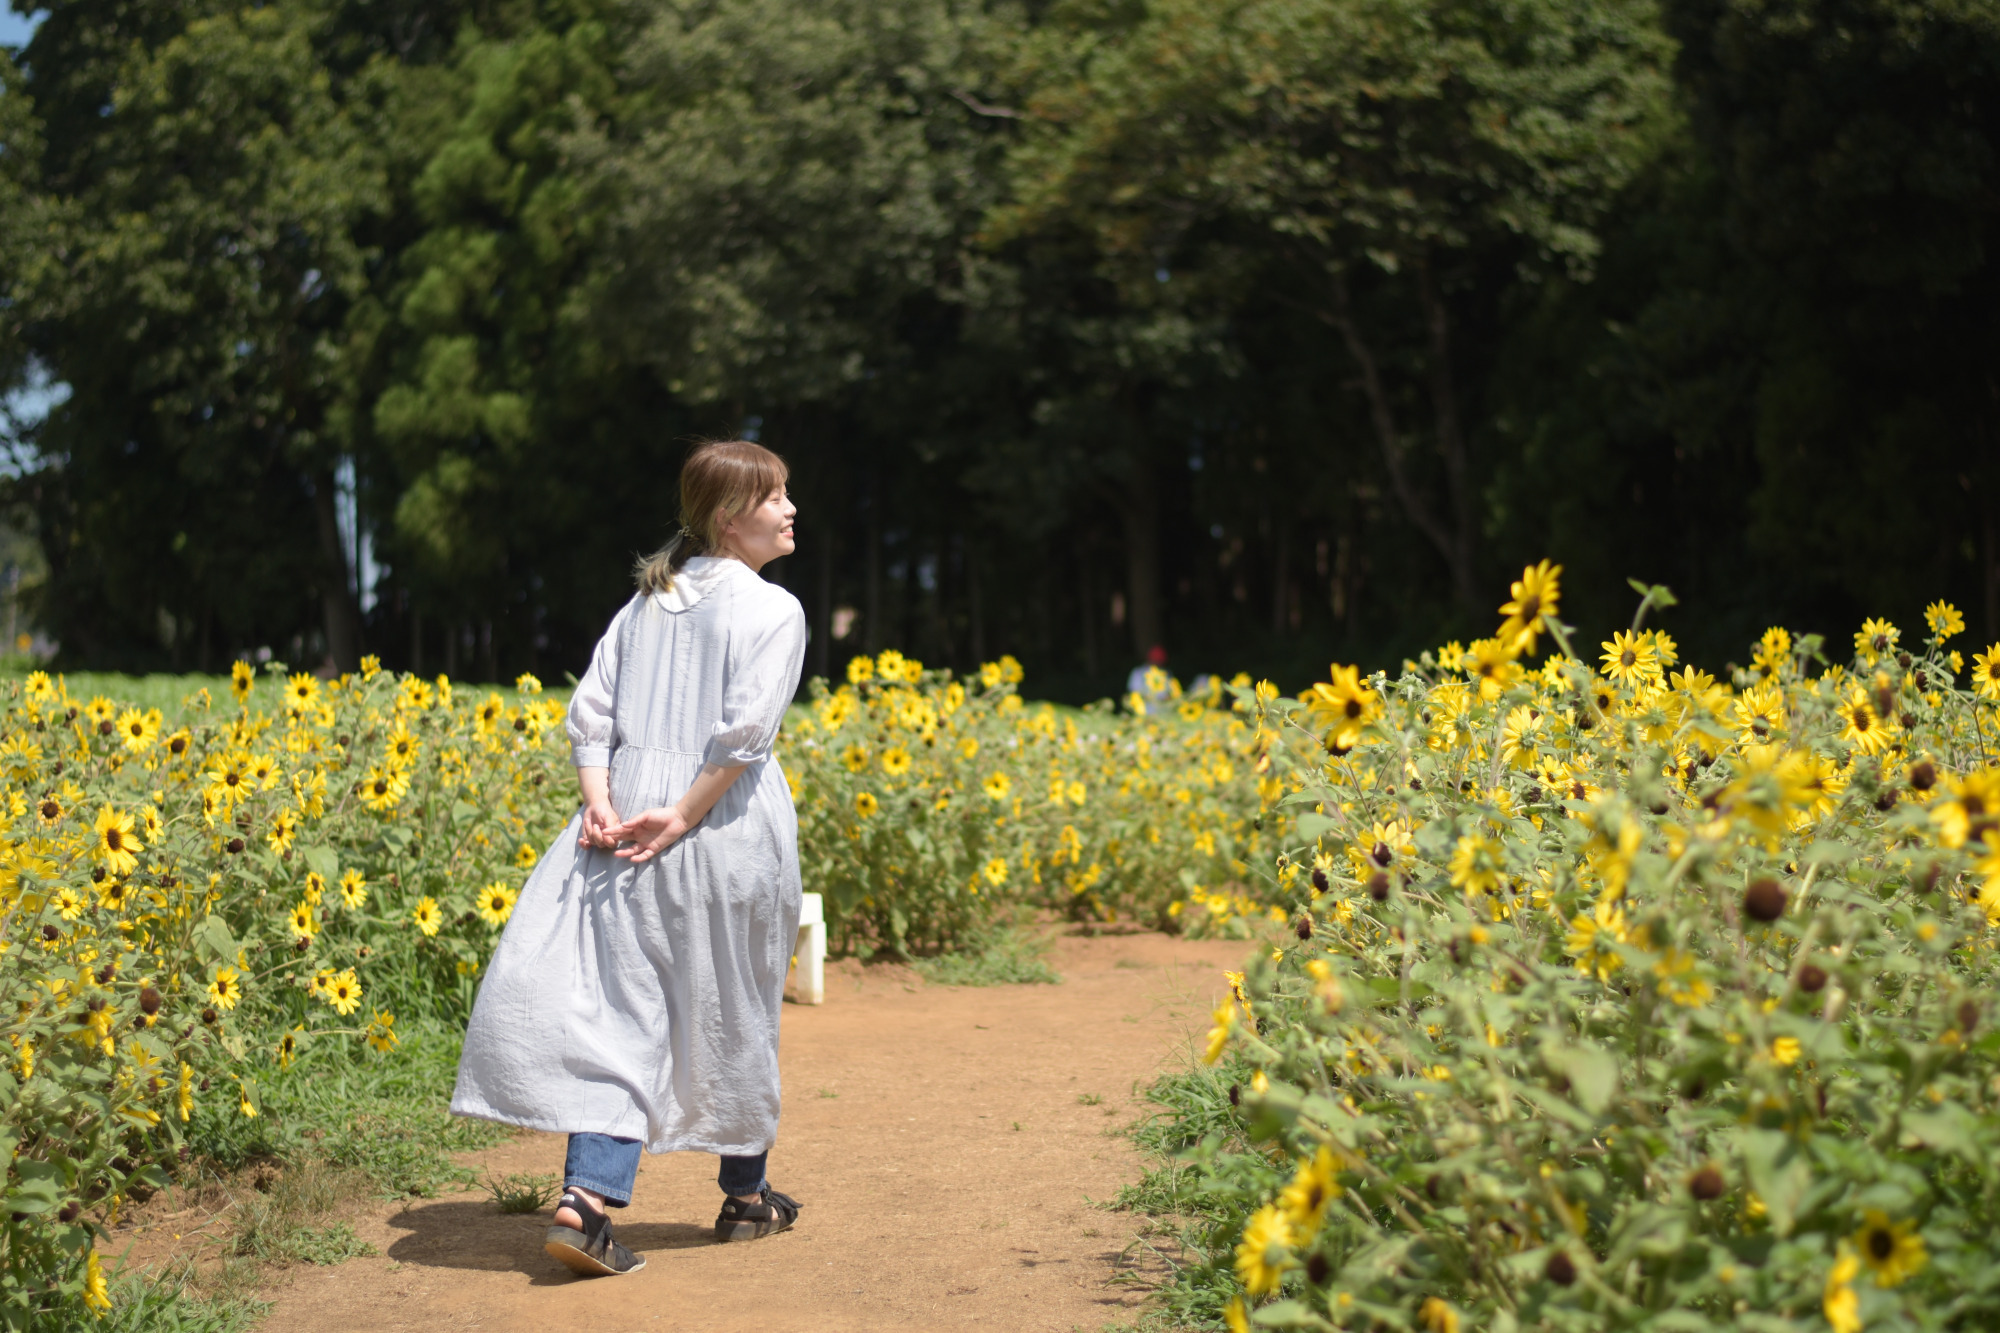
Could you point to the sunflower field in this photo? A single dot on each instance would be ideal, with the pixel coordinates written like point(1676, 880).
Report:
point(1619, 995)
point(187, 903)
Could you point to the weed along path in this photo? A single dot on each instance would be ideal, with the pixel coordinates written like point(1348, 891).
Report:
point(947, 1143)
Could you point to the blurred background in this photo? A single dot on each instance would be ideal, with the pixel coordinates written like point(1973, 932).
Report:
point(1268, 331)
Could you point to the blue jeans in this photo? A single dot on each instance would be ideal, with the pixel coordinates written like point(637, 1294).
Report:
point(610, 1166)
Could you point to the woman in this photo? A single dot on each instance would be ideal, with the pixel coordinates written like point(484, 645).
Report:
point(634, 999)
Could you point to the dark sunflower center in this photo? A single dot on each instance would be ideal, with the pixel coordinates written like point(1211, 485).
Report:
point(381, 787)
point(1628, 658)
point(1531, 606)
point(1881, 642)
point(114, 841)
point(50, 810)
point(1880, 1243)
point(1353, 708)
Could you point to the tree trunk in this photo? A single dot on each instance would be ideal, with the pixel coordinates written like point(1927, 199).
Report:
point(1139, 507)
point(336, 593)
point(823, 628)
point(1450, 431)
point(1381, 414)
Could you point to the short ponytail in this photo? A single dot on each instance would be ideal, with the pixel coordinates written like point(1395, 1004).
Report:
point(720, 480)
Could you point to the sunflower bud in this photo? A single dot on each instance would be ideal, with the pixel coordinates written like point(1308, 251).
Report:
point(149, 1001)
point(1560, 1269)
point(1923, 775)
point(1765, 899)
point(1706, 1183)
point(1378, 887)
point(1812, 978)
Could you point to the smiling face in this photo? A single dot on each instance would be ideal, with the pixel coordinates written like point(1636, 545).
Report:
point(763, 532)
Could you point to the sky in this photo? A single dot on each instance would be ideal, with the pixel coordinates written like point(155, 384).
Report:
point(14, 29)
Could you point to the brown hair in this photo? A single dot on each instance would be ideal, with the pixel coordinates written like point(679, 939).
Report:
point(720, 480)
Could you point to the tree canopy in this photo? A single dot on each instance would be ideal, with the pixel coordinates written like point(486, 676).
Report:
point(1266, 330)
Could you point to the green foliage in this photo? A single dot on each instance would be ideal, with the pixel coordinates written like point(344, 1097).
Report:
point(1631, 1001)
point(523, 1193)
point(993, 957)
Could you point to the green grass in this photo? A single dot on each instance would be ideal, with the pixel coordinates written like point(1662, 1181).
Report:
point(165, 1303)
point(524, 1192)
point(1006, 956)
point(381, 1116)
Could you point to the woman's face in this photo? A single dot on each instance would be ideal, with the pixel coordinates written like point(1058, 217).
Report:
point(764, 532)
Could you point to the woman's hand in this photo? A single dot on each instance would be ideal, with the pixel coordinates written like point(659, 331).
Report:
point(647, 835)
point(598, 821)
point(599, 817)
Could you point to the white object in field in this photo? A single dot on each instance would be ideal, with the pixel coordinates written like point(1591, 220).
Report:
point(812, 950)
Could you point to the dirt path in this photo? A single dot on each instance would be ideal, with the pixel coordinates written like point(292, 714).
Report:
point(944, 1142)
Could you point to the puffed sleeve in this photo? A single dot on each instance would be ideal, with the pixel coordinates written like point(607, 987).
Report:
point(590, 722)
point(767, 650)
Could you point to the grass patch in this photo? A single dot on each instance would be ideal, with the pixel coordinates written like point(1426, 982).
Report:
point(1005, 956)
point(380, 1118)
point(1198, 1155)
point(164, 1303)
point(524, 1193)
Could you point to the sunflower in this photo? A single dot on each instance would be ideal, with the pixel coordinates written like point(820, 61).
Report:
point(353, 890)
point(896, 762)
point(1492, 664)
point(381, 1032)
point(526, 858)
point(860, 670)
point(1875, 639)
point(264, 771)
point(1867, 730)
point(1891, 1249)
point(1313, 1187)
point(137, 730)
point(49, 812)
point(1265, 1251)
point(180, 744)
point(865, 804)
point(184, 1096)
point(116, 843)
point(383, 787)
point(301, 690)
point(496, 903)
point(1840, 1305)
point(284, 828)
point(1665, 650)
point(68, 904)
point(997, 785)
point(427, 917)
point(343, 992)
point(1340, 707)
point(487, 716)
point(315, 887)
point(1534, 596)
point(1774, 649)
point(226, 989)
point(1631, 659)
point(855, 758)
point(241, 677)
point(1944, 620)
point(1986, 673)
point(288, 1048)
point(229, 777)
point(303, 923)
point(402, 747)
point(100, 710)
point(1477, 864)
point(995, 871)
point(150, 824)
point(1591, 939)
point(968, 747)
point(96, 1292)
point(1811, 785)
point(1521, 736)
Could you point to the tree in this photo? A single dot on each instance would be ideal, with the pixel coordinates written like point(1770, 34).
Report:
point(1392, 153)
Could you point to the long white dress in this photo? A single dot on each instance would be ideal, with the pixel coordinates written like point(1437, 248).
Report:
point(643, 1001)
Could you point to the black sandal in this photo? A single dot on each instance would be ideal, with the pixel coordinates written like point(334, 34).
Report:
point(590, 1251)
point(773, 1212)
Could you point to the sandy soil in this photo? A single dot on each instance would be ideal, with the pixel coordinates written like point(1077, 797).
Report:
point(946, 1144)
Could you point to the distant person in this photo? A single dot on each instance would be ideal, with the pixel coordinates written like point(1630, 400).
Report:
point(1150, 680)
point(634, 998)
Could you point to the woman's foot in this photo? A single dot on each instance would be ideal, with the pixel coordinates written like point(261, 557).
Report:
point(760, 1215)
point(581, 1239)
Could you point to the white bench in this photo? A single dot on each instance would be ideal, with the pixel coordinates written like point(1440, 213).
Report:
point(811, 955)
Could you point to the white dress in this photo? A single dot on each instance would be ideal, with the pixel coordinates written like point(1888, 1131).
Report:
point(643, 1001)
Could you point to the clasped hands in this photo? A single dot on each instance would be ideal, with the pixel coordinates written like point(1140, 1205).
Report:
point(638, 839)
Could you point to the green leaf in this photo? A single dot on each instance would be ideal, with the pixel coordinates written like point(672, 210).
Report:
point(1951, 1129)
point(1592, 1074)
point(214, 943)
point(1778, 1172)
point(42, 1187)
point(1312, 826)
point(324, 860)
